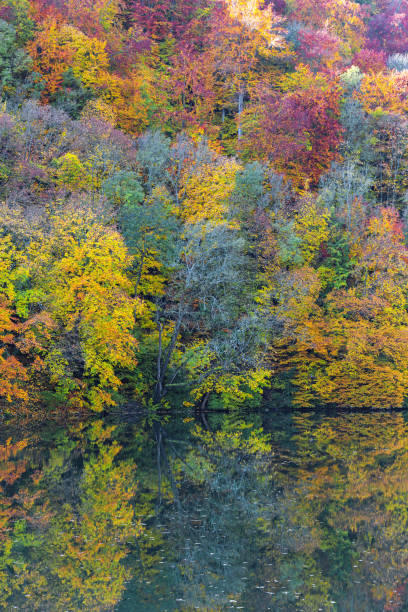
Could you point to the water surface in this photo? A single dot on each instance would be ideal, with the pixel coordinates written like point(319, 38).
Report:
point(271, 512)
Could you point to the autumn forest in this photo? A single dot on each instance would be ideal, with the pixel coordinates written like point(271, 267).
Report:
point(203, 203)
point(204, 305)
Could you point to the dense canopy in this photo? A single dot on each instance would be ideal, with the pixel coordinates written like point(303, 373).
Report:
point(203, 202)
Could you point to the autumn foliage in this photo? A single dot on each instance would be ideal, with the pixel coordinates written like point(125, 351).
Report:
point(203, 202)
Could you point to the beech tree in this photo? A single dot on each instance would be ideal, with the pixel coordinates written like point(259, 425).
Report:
point(79, 273)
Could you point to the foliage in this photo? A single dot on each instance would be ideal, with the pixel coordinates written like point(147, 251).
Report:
point(207, 203)
point(79, 273)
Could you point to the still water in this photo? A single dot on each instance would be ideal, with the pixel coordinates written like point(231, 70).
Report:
point(268, 512)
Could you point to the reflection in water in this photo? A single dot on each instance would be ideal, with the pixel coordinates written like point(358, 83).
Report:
point(68, 518)
point(308, 513)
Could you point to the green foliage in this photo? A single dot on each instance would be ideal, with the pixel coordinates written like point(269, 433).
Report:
point(339, 264)
point(73, 96)
point(20, 18)
point(124, 189)
point(15, 65)
point(249, 188)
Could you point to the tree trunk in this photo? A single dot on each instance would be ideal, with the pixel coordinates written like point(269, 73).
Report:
point(240, 109)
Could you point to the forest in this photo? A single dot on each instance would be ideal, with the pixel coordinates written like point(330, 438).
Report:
point(203, 203)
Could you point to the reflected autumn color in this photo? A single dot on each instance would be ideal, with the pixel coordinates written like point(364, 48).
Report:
point(288, 512)
point(351, 476)
point(68, 521)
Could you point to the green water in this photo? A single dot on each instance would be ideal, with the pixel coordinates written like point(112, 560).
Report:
point(270, 512)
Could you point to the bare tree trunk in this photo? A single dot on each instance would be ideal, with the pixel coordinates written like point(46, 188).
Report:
point(163, 360)
point(240, 109)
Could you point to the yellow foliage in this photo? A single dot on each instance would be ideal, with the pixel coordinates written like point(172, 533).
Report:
point(312, 227)
point(207, 192)
point(80, 272)
point(346, 20)
point(100, 109)
point(263, 21)
point(72, 173)
point(349, 347)
point(108, 11)
point(89, 60)
point(302, 78)
point(386, 92)
point(12, 373)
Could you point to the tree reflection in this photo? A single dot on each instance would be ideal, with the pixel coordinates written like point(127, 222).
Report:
point(73, 558)
point(350, 479)
point(316, 523)
point(226, 494)
point(310, 516)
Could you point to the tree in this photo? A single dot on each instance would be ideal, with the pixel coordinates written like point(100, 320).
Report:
point(207, 193)
point(299, 132)
point(242, 36)
point(16, 79)
point(318, 47)
point(380, 92)
point(50, 58)
point(13, 374)
point(388, 28)
point(191, 86)
point(335, 342)
point(79, 272)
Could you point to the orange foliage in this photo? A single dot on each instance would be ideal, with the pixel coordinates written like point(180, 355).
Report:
point(50, 58)
point(386, 92)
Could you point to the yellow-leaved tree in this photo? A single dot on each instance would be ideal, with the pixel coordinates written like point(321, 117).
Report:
point(13, 375)
point(206, 193)
point(79, 274)
point(344, 342)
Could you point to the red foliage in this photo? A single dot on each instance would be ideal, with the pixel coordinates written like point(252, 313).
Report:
point(299, 132)
point(7, 13)
point(46, 10)
point(83, 15)
point(311, 12)
point(161, 18)
point(370, 59)
point(317, 45)
point(389, 29)
point(191, 85)
point(397, 226)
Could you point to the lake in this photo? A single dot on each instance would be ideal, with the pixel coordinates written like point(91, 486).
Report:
point(266, 511)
